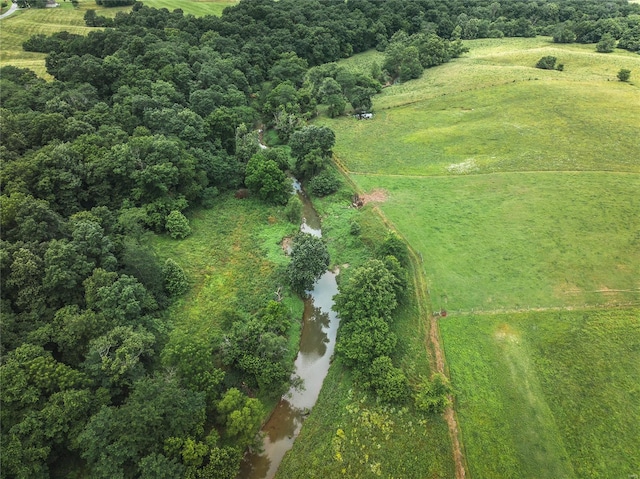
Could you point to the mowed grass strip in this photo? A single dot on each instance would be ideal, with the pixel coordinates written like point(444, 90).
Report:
point(227, 261)
point(197, 8)
point(547, 394)
point(521, 240)
point(23, 24)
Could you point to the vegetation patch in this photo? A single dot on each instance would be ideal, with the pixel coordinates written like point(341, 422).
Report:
point(547, 394)
point(25, 23)
point(228, 262)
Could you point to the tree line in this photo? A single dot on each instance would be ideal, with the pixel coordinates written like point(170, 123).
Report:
point(145, 120)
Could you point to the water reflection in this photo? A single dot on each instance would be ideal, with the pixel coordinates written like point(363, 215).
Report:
point(317, 340)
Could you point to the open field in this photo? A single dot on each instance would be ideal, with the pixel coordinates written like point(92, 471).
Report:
point(518, 195)
point(232, 260)
point(521, 240)
point(493, 111)
point(548, 394)
point(519, 188)
point(17, 28)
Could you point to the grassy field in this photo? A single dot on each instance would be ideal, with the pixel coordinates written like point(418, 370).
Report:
point(521, 240)
point(519, 188)
point(548, 394)
point(518, 195)
point(18, 27)
point(493, 111)
point(233, 259)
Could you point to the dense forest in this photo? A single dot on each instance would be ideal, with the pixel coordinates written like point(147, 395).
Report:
point(148, 118)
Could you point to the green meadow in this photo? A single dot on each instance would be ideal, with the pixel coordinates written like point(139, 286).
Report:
point(547, 394)
point(521, 240)
point(518, 194)
point(518, 188)
point(234, 262)
point(21, 25)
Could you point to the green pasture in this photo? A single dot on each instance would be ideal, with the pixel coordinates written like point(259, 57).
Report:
point(197, 8)
point(492, 62)
point(523, 126)
point(518, 186)
point(493, 111)
point(233, 260)
point(547, 394)
point(521, 240)
point(21, 25)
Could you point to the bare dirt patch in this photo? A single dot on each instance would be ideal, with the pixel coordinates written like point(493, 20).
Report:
point(287, 245)
point(375, 196)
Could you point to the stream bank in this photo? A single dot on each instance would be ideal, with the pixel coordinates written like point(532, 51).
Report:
point(317, 341)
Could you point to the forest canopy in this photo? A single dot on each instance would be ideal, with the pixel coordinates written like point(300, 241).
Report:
point(145, 120)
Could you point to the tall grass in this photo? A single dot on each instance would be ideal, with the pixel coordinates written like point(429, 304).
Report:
point(547, 394)
point(233, 260)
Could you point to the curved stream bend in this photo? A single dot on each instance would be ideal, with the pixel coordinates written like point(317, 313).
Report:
point(317, 340)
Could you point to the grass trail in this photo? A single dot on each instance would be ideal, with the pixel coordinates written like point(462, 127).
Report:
point(548, 394)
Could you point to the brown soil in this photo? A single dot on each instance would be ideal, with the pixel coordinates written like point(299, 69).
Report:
point(287, 243)
point(376, 196)
point(436, 354)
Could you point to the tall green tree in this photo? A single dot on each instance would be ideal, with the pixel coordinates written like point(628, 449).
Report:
point(267, 180)
point(309, 261)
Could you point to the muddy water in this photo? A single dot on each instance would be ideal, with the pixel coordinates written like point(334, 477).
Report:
point(317, 340)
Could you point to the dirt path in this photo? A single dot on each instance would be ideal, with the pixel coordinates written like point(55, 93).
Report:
point(433, 344)
point(434, 347)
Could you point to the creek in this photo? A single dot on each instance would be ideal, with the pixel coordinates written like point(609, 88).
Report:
point(317, 341)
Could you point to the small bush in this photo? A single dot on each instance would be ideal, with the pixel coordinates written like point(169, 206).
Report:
point(547, 63)
point(175, 281)
point(293, 210)
point(606, 44)
point(393, 245)
point(389, 382)
point(560, 67)
point(177, 225)
point(624, 74)
point(355, 228)
point(325, 183)
point(433, 396)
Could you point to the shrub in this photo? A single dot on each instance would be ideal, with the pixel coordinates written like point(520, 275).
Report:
point(606, 44)
point(177, 225)
point(355, 228)
point(175, 281)
point(433, 396)
point(394, 246)
point(325, 183)
point(624, 74)
point(293, 210)
point(389, 383)
point(547, 63)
